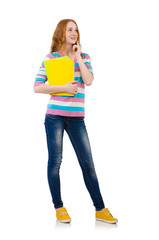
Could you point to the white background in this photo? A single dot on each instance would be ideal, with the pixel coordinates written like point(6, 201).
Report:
point(122, 119)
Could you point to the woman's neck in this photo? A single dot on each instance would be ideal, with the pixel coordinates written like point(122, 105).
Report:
point(68, 50)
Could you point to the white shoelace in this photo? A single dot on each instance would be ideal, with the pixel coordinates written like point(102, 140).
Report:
point(62, 213)
point(108, 213)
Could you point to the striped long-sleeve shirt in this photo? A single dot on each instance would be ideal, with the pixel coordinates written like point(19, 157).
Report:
point(73, 106)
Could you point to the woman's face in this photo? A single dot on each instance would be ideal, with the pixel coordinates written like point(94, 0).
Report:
point(71, 33)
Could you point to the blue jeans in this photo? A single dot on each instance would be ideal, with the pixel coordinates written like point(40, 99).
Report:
point(76, 130)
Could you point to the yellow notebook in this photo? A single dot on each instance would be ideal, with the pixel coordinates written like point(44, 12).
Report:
point(60, 71)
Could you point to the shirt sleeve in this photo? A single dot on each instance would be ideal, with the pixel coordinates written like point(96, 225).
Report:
point(87, 61)
point(41, 76)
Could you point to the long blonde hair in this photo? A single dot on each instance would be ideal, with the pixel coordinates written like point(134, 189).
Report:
point(58, 37)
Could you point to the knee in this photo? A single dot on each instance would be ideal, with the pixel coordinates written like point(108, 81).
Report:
point(54, 163)
point(89, 168)
point(56, 167)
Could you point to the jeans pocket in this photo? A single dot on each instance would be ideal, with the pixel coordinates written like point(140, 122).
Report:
point(51, 117)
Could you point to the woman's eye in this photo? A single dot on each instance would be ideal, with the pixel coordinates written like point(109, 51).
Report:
point(71, 30)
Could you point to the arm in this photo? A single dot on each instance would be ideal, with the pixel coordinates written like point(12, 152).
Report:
point(49, 89)
point(84, 64)
point(70, 87)
point(86, 74)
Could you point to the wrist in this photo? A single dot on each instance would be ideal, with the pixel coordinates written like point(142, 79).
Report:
point(64, 88)
point(79, 57)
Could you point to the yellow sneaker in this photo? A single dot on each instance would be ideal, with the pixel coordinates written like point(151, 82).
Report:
point(105, 216)
point(62, 215)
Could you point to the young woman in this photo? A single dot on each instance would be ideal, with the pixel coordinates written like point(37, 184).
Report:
point(68, 113)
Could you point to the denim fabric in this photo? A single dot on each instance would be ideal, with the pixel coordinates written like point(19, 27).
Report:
point(77, 132)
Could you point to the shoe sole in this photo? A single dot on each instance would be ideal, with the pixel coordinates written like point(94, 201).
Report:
point(99, 219)
point(64, 221)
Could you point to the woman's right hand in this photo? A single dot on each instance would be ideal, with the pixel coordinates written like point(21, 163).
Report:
point(72, 87)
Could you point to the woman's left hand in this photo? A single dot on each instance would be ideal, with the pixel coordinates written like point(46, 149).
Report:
point(77, 50)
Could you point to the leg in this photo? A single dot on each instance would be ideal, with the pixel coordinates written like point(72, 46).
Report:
point(77, 133)
point(54, 127)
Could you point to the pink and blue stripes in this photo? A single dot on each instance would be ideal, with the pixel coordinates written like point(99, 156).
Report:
point(73, 106)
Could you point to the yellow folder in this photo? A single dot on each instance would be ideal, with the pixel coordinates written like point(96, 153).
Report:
point(60, 71)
